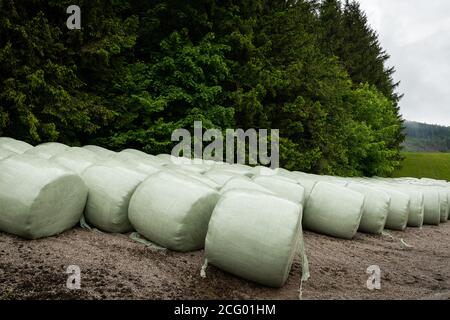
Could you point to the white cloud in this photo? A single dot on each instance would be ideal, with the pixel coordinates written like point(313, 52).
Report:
point(416, 34)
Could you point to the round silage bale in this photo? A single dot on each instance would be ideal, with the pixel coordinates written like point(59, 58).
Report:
point(239, 169)
point(432, 206)
point(5, 153)
point(100, 151)
point(195, 168)
point(110, 189)
point(14, 145)
point(333, 210)
point(76, 159)
point(254, 235)
point(443, 204)
point(416, 206)
point(173, 210)
point(47, 150)
point(39, 198)
point(375, 209)
point(284, 187)
point(398, 214)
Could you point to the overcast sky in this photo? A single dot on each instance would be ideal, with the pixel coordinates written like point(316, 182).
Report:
point(416, 34)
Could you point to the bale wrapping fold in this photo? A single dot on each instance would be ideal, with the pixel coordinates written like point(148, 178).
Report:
point(5, 153)
point(254, 235)
point(173, 210)
point(398, 215)
point(333, 210)
point(39, 198)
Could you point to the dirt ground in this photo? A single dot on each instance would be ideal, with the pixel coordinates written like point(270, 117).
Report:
point(115, 267)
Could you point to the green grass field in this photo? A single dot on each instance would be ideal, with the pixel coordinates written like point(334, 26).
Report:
point(425, 165)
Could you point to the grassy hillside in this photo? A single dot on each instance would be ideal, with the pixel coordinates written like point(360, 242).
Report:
point(425, 165)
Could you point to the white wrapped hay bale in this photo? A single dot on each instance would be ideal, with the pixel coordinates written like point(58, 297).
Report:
point(110, 190)
point(432, 206)
point(173, 210)
point(194, 168)
point(47, 150)
point(38, 198)
point(444, 205)
point(14, 145)
point(243, 182)
point(254, 235)
point(416, 206)
point(333, 210)
point(100, 151)
point(375, 209)
point(76, 159)
point(398, 215)
point(5, 153)
point(284, 187)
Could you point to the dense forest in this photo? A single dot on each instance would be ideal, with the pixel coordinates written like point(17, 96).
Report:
point(422, 137)
point(137, 70)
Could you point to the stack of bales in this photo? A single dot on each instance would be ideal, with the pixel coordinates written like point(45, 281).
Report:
point(249, 220)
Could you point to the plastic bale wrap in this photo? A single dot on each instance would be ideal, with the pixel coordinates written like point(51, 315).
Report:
point(194, 168)
point(416, 206)
point(307, 183)
point(443, 204)
point(239, 169)
point(375, 209)
point(254, 235)
point(198, 177)
point(432, 206)
point(14, 145)
point(173, 210)
point(110, 190)
point(100, 151)
point(76, 159)
point(263, 171)
point(149, 157)
point(6, 153)
point(142, 164)
point(38, 198)
point(47, 150)
point(283, 187)
point(398, 215)
point(242, 182)
point(333, 210)
point(221, 176)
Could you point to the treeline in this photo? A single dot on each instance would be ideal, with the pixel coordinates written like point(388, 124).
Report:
point(137, 70)
point(422, 137)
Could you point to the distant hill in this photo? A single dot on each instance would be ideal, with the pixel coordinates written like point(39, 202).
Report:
point(422, 137)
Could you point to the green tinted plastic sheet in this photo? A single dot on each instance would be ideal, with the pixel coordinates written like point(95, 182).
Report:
point(39, 198)
point(333, 210)
point(254, 235)
point(173, 210)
